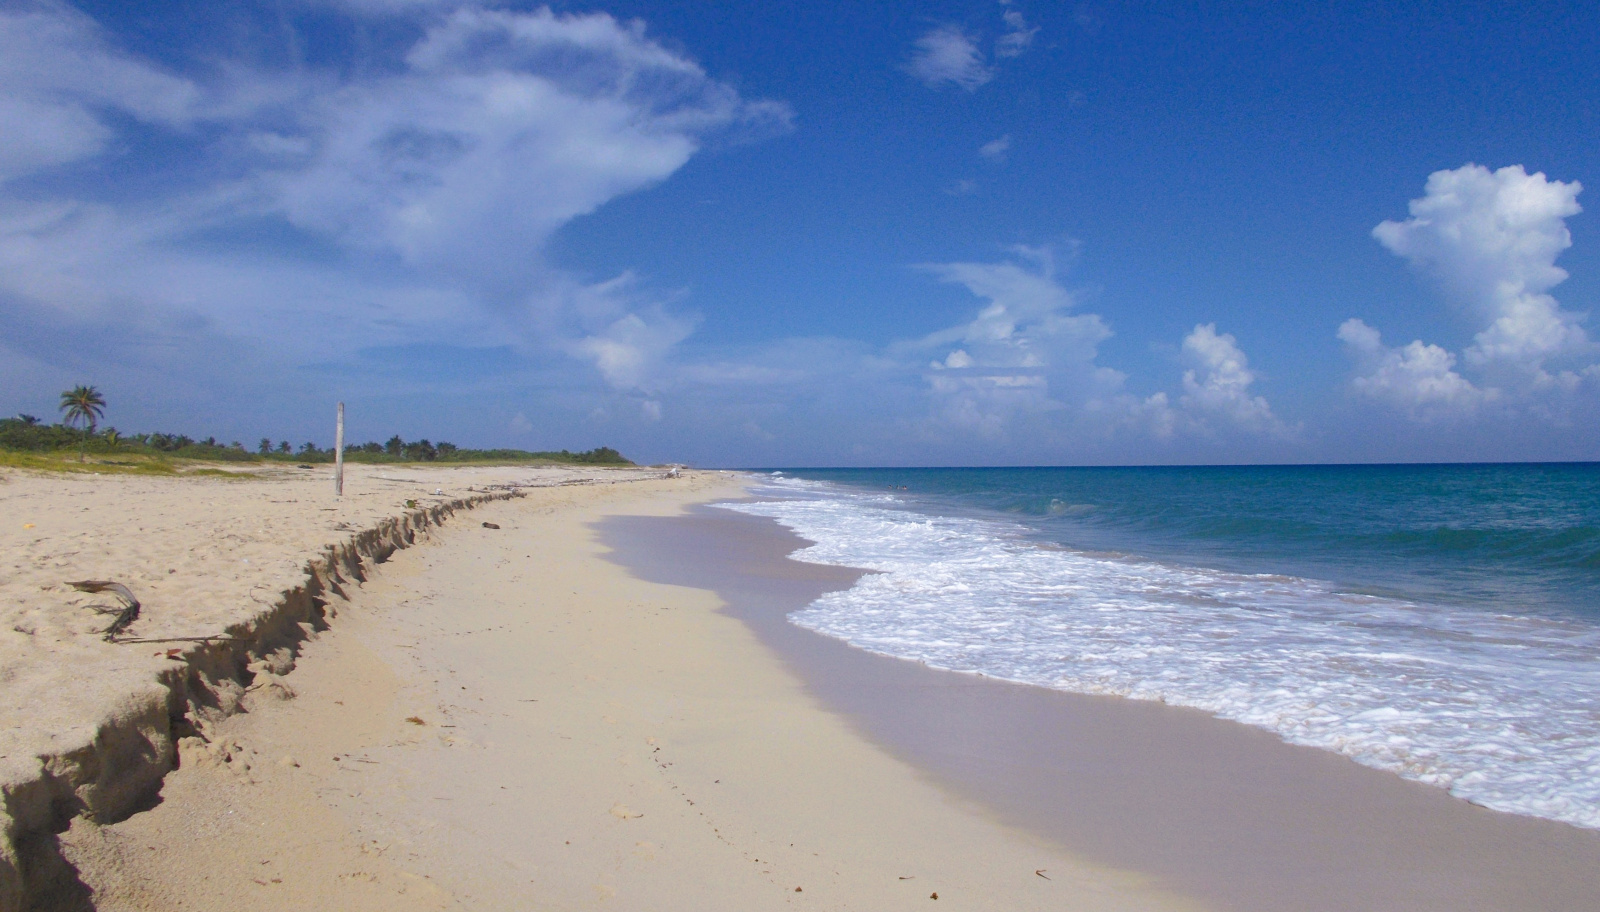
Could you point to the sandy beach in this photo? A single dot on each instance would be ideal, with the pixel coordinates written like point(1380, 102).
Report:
point(254, 559)
point(585, 696)
point(1227, 814)
point(503, 718)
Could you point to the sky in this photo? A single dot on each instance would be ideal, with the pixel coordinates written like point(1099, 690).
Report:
point(787, 234)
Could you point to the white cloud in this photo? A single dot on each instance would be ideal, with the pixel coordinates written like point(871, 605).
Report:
point(1490, 239)
point(1023, 351)
point(417, 191)
point(1027, 314)
point(502, 125)
point(61, 82)
point(394, 7)
point(1218, 385)
point(995, 150)
point(1418, 378)
point(629, 350)
point(1027, 364)
point(950, 55)
point(1018, 36)
point(947, 55)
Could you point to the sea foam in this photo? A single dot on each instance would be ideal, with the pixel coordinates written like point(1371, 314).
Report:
point(1500, 709)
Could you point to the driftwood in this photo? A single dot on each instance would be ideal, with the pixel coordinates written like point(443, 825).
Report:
point(125, 617)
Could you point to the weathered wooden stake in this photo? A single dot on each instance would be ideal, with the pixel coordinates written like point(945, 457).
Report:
point(338, 455)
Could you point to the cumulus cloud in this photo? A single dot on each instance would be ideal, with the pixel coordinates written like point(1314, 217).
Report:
point(1022, 352)
point(1418, 378)
point(1219, 382)
point(404, 201)
point(1026, 359)
point(1488, 240)
point(1019, 378)
point(947, 55)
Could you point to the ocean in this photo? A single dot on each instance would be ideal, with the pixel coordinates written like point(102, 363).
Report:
point(1439, 621)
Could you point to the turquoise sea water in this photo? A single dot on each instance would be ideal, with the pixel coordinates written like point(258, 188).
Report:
point(1439, 621)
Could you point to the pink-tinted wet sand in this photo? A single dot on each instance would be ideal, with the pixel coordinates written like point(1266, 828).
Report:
point(1223, 812)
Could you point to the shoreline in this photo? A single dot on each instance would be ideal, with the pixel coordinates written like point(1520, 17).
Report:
point(597, 701)
point(504, 718)
point(1216, 809)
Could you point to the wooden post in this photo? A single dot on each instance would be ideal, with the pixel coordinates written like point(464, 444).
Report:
point(338, 455)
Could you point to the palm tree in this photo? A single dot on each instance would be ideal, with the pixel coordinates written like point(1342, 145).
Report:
point(83, 405)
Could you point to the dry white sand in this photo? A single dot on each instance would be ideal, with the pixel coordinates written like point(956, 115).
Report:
point(503, 719)
point(86, 725)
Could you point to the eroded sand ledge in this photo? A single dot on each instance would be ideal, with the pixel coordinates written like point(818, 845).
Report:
point(259, 563)
point(507, 719)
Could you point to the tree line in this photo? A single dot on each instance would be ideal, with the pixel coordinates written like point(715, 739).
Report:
point(82, 408)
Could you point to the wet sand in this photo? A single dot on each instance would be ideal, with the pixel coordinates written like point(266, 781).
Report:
point(1210, 808)
point(498, 717)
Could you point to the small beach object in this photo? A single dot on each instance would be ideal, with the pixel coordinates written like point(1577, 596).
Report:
point(338, 453)
point(27, 525)
point(1041, 873)
point(490, 525)
point(933, 896)
point(125, 617)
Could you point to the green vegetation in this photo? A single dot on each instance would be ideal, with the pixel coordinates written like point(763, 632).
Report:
point(65, 461)
point(82, 405)
point(27, 442)
point(25, 434)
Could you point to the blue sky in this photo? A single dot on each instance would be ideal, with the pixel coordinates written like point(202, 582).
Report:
point(789, 234)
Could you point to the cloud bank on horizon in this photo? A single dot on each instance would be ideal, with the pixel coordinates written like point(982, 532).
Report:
point(243, 231)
